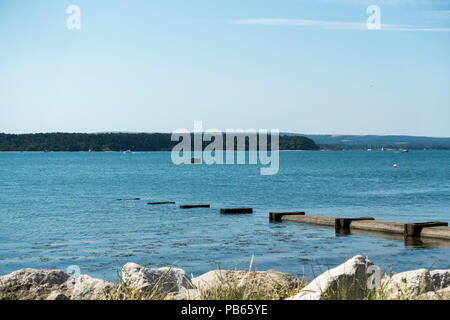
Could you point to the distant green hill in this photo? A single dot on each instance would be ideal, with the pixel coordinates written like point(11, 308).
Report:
point(339, 142)
point(119, 141)
point(116, 142)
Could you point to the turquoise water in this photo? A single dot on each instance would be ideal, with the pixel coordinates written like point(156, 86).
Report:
point(60, 209)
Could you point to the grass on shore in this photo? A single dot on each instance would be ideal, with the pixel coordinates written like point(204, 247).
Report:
point(246, 286)
point(226, 289)
point(249, 289)
point(154, 291)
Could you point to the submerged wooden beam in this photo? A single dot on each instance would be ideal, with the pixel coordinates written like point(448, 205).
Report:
point(319, 220)
point(276, 216)
point(162, 202)
point(436, 233)
point(236, 210)
point(380, 226)
point(190, 206)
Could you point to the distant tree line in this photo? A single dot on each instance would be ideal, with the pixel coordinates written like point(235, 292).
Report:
point(377, 142)
point(119, 142)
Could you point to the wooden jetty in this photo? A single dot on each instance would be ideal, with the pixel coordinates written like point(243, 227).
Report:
point(433, 229)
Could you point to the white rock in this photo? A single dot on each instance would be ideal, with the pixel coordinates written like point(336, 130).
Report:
point(440, 278)
point(351, 275)
point(31, 283)
point(411, 284)
point(262, 281)
point(442, 294)
point(56, 295)
point(145, 279)
point(31, 277)
point(53, 285)
point(87, 288)
point(184, 294)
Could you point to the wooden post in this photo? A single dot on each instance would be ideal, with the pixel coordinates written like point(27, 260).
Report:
point(161, 202)
point(276, 216)
point(236, 210)
point(415, 229)
point(190, 206)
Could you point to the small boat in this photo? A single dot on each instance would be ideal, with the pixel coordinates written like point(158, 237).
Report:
point(127, 151)
point(404, 150)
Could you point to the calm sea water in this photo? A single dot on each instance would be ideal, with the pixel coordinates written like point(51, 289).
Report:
point(60, 209)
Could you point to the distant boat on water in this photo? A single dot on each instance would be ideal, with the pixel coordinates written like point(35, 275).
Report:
point(404, 150)
point(127, 151)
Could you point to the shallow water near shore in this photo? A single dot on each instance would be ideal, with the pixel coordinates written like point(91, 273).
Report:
point(61, 209)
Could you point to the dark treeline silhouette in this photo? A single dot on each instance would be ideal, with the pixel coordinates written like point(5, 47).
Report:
point(120, 142)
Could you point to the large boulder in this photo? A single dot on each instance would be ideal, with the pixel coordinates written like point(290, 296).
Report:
point(56, 295)
point(85, 287)
point(184, 294)
point(442, 294)
point(412, 284)
point(155, 281)
point(31, 283)
point(347, 281)
point(440, 279)
point(242, 283)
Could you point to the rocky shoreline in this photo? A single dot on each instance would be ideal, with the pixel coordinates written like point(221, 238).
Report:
point(357, 278)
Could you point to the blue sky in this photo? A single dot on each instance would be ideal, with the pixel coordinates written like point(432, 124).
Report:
point(306, 66)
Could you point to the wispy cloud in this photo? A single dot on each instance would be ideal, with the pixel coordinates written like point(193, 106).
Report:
point(333, 25)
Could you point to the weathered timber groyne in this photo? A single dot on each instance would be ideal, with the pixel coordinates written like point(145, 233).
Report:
point(434, 229)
